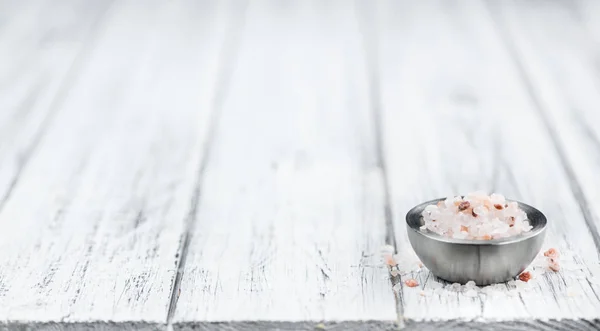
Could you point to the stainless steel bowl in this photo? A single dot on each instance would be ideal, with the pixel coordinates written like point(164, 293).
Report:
point(483, 261)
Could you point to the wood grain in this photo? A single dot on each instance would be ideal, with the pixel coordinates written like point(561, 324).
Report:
point(456, 117)
point(156, 173)
point(91, 232)
point(41, 47)
point(557, 53)
point(291, 210)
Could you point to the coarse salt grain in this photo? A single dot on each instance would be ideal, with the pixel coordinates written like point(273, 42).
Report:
point(456, 287)
point(411, 282)
point(544, 261)
point(476, 216)
point(390, 261)
point(552, 252)
point(552, 256)
point(525, 277)
point(399, 264)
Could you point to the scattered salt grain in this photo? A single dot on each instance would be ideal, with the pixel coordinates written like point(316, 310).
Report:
point(411, 282)
point(552, 259)
point(540, 262)
point(399, 264)
point(552, 253)
point(407, 264)
point(389, 260)
point(525, 276)
point(456, 287)
point(470, 284)
point(553, 265)
point(476, 216)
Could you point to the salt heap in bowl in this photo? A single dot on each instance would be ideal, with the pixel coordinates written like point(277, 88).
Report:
point(477, 216)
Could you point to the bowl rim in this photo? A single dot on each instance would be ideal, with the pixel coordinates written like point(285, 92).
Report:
point(537, 230)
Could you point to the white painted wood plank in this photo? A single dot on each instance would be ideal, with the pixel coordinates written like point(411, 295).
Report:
point(557, 49)
point(92, 230)
point(41, 44)
point(456, 117)
point(291, 206)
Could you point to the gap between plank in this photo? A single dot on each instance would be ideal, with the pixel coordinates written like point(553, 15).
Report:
point(375, 104)
point(57, 101)
point(230, 45)
point(551, 130)
point(370, 44)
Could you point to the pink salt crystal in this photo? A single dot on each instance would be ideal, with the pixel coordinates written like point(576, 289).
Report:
point(411, 283)
point(477, 216)
point(552, 253)
point(389, 260)
point(525, 277)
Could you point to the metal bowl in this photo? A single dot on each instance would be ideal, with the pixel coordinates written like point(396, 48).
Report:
point(483, 261)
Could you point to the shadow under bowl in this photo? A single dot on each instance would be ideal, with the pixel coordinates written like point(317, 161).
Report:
point(482, 261)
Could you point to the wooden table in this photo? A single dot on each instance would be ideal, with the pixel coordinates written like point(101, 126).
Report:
point(228, 165)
